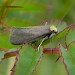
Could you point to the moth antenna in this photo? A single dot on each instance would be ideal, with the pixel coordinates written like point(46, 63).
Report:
point(42, 42)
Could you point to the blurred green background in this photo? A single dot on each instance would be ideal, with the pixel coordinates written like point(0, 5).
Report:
point(36, 12)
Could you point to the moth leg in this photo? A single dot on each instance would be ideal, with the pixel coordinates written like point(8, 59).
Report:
point(42, 42)
point(33, 45)
point(51, 45)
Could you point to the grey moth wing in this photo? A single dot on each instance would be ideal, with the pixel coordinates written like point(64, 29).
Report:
point(20, 35)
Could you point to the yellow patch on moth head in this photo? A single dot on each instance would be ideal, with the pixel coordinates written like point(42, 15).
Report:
point(53, 28)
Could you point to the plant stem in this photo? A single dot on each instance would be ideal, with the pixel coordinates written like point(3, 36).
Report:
point(51, 50)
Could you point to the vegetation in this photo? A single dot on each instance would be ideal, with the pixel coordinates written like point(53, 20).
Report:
point(57, 55)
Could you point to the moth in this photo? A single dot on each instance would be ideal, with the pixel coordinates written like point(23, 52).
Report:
point(22, 35)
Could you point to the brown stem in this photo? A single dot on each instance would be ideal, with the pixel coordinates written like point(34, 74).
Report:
point(4, 25)
point(51, 50)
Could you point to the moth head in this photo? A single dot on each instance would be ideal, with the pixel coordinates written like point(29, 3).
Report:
point(53, 29)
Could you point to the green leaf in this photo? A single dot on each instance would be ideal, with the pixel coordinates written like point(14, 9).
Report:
point(29, 6)
point(19, 22)
point(28, 59)
point(70, 36)
point(48, 66)
point(6, 65)
point(4, 41)
point(69, 57)
point(2, 55)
